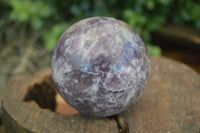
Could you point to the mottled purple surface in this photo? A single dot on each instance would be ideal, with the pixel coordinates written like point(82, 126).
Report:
point(100, 66)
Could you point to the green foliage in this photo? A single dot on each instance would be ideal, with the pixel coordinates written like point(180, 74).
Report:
point(153, 50)
point(50, 37)
point(187, 13)
point(145, 16)
point(32, 11)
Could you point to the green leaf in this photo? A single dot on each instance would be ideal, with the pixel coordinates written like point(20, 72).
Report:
point(36, 23)
point(150, 4)
point(195, 12)
point(165, 2)
point(153, 50)
point(136, 20)
point(50, 37)
point(155, 23)
point(33, 12)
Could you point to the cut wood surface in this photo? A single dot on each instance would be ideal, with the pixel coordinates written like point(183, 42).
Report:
point(170, 103)
point(21, 116)
point(181, 43)
point(183, 34)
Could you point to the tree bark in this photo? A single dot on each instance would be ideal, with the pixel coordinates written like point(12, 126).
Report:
point(170, 103)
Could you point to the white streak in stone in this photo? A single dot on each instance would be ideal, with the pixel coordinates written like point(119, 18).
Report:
point(107, 37)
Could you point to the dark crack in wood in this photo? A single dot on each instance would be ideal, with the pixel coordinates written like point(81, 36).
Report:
point(123, 126)
point(43, 94)
point(199, 130)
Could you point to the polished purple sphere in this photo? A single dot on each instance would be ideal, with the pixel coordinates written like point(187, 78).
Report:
point(100, 66)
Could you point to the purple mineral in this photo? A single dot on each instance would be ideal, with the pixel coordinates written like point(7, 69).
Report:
point(100, 66)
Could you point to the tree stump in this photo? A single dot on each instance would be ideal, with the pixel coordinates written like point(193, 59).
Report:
point(170, 103)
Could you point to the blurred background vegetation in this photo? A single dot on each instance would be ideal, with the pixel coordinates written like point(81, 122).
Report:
point(50, 18)
point(29, 29)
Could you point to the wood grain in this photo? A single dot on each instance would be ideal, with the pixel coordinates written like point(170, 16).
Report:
point(20, 116)
point(177, 33)
point(170, 104)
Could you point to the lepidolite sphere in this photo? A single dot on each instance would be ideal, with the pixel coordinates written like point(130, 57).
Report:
point(100, 66)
